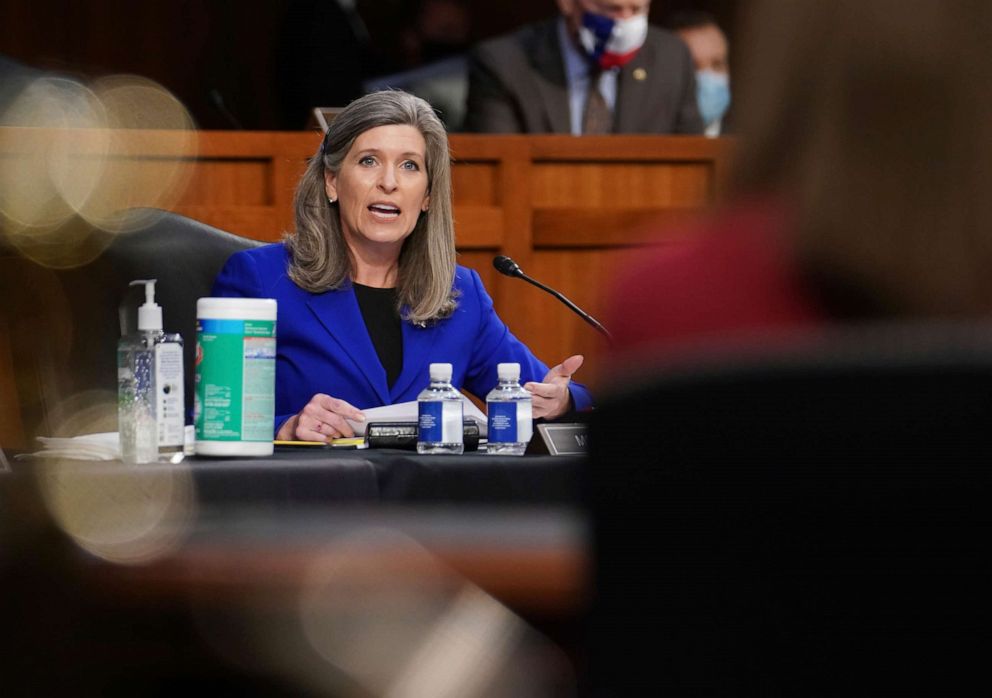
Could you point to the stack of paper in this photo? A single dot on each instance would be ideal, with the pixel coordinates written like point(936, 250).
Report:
point(105, 446)
point(407, 412)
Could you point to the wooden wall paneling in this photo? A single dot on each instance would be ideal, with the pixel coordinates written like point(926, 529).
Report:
point(597, 228)
point(289, 164)
point(593, 196)
point(583, 276)
point(626, 148)
point(510, 295)
point(478, 227)
point(262, 170)
point(479, 222)
point(255, 222)
point(620, 184)
point(475, 182)
point(224, 180)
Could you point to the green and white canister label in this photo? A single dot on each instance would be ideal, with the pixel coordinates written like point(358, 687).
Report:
point(235, 380)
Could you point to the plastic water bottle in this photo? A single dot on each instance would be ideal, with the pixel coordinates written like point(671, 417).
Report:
point(510, 409)
point(440, 411)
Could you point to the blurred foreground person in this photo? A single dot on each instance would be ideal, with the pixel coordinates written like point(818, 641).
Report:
point(859, 186)
point(794, 501)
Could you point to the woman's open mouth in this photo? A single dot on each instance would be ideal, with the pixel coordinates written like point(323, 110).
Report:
point(386, 212)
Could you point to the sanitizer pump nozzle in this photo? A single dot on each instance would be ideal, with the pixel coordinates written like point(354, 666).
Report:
point(149, 314)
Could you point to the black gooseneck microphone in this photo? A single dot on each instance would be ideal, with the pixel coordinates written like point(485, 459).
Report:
point(506, 266)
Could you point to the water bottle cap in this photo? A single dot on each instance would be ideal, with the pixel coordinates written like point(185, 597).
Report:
point(441, 372)
point(508, 372)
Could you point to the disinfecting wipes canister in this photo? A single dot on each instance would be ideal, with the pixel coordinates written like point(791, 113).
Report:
point(234, 403)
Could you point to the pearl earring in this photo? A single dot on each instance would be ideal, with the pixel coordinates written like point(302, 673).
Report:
point(330, 200)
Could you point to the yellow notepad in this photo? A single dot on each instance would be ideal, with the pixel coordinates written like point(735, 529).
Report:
point(352, 442)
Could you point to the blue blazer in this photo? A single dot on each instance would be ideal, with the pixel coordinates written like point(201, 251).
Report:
point(324, 347)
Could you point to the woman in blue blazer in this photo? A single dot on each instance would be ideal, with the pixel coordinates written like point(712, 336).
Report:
point(367, 288)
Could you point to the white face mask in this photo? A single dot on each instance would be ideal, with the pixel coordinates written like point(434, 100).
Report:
point(612, 42)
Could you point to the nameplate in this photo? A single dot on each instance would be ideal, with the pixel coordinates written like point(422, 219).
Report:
point(561, 439)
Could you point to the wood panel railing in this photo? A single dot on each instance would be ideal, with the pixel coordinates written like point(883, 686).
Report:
point(563, 207)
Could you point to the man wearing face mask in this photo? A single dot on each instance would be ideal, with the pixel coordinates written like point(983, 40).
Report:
point(708, 46)
point(598, 68)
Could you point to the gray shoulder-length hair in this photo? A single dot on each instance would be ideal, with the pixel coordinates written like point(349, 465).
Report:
point(320, 259)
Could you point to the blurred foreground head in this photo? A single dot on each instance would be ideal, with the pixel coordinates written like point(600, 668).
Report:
point(872, 121)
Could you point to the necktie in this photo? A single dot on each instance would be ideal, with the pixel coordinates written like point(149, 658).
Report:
point(596, 117)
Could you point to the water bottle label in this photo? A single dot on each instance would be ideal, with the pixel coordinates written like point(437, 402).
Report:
point(454, 430)
point(431, 422)
point(510, 422)
point(525, 421)
point(503, 422)
point(440, 422)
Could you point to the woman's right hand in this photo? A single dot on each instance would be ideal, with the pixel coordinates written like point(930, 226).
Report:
point(323, 418)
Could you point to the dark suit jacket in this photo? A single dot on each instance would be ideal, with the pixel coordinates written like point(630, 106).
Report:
point(517, 84)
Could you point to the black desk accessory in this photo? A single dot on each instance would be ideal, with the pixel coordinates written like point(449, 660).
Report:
point(403, 435)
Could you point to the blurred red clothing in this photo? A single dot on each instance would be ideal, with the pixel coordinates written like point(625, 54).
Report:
point(732, 278)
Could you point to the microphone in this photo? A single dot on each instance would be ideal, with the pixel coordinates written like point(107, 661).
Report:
point(506, 266)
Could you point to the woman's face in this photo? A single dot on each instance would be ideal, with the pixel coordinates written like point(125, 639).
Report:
point(381, 187)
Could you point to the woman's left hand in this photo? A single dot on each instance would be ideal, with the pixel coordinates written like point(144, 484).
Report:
point(551, 396)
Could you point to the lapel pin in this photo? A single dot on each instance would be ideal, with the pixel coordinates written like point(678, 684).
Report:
point(640, 74)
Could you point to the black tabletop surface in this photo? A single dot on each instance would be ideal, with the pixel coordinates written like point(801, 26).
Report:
point(321, 476)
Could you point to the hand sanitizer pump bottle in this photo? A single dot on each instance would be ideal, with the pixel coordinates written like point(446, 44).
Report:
point(510, 409)
point(150, 388)
point(440, 412)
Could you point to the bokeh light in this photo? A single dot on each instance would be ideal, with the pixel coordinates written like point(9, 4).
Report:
point(465, 651)
point(78, 162)
point(367, 604)
point(153, 144)
point(41, 185)
point(87, 412)
point(123, 514)
point(383, 610)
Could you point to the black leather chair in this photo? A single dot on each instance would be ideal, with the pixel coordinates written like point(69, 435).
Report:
point(810, 521)
point(64, 323)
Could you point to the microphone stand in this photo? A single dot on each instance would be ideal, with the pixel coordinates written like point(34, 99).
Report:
point(510, 268)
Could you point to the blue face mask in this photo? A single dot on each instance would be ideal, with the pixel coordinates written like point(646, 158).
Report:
point(713, 94)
